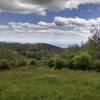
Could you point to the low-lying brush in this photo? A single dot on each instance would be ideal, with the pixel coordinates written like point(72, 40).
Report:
point(56, 62)
point(81, 61)
point(4, 64)
point(96, 65)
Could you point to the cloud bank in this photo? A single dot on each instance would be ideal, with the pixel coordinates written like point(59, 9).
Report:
point(40, 6)
point(61, 31)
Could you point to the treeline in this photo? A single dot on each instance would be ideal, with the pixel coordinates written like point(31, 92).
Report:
point(14, 55)
point(80, 61)
point(10, 58)
point(84, 57)
point(37, 51)
point(75, 57)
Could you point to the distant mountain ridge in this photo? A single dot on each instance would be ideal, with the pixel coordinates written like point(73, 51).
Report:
point(37, 51)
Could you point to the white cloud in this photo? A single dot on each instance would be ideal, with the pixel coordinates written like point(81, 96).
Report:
point(21, 7)
point(75, 21)
point(70, 21)
point(75, 3)
point(61, 31)
point(30, 33)
point(45, 24)
point(40, 6)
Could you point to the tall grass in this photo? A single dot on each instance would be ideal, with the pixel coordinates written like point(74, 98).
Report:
point(48, 84)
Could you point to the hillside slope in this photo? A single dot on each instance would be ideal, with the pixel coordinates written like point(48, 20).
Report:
point(38, 51)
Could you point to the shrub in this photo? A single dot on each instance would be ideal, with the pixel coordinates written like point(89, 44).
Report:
point(81, 61)
point(59, 63)
point(33, 62)
point(51, 63)
point(70, 64)
point(96, 65)
point(22, 62)
point(14, 58)
point(18, 61)
point(66, 63)
point(4, 64)
point(56, 62)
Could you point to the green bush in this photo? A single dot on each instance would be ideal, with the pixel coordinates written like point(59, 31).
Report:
point(50, 63)
point(81, 61)
point(14, 58)
point(18, 61)
point(33, 62)
point(22, 62)
point(96, 65)
point(70, 64)
point(59, 63)
point(4, 64)
point(56, 62)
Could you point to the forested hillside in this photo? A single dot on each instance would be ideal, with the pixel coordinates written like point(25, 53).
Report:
point(37, 51)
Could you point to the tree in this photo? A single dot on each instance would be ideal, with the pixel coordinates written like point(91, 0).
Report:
point(94, 39)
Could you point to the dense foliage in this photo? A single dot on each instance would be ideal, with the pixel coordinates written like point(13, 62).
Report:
point(56, 62)
point(96, 65)
point(51, 62)
point(9, 55)
point(81, 61)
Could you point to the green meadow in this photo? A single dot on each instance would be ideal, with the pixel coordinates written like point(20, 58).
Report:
point(42, 83)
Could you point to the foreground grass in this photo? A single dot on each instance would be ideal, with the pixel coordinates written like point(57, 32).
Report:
point(48, 84)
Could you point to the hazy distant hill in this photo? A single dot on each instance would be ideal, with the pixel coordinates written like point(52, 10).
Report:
point(38, 51)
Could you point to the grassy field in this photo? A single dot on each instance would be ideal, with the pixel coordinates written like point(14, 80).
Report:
point(48, 84)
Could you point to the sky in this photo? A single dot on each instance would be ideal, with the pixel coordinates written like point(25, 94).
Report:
point(57, 22)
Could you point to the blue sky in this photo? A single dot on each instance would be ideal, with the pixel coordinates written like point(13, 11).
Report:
point(86, 11)
point(44, 22)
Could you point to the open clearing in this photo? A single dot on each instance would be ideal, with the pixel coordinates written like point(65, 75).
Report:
point(48, 84)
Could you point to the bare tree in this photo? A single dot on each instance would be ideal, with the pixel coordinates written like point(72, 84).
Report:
point(95, 35)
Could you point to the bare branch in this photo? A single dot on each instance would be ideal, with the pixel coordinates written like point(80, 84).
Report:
point(95, 36)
